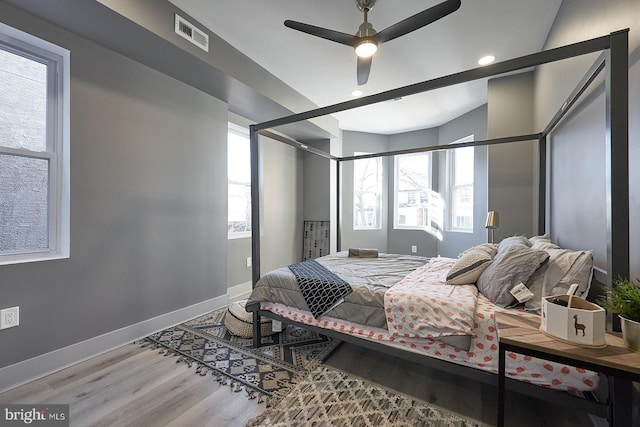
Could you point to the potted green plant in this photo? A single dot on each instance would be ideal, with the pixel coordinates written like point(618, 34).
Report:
point(624, 300)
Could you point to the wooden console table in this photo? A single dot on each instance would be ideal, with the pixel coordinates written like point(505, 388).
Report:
point(621, 365)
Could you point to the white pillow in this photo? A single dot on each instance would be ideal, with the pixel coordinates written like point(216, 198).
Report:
point(564, 268)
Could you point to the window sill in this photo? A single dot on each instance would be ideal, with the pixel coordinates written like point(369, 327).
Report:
point(32, 257)
point(238, 236)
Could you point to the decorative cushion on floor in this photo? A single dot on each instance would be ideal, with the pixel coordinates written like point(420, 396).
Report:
point(240, 323)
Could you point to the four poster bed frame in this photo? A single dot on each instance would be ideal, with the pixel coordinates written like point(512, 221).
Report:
point(613, 61)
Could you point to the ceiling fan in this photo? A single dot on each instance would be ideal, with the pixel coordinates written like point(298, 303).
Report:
point(366, 40)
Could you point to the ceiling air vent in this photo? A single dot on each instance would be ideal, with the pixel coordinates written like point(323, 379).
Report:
point(187, 30)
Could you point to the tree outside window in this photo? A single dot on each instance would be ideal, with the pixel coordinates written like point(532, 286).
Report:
point(367, 193)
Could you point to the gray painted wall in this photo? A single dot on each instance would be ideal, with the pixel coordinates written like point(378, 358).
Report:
point(238, 251)
point(317, 183)
point(511, 166)
point(148, 210)
point(578, 211)
point(281, 243)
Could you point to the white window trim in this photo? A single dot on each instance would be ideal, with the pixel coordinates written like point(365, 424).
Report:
point(450, 227)
point(397, 226)
point(58, 135)
point(240, 130)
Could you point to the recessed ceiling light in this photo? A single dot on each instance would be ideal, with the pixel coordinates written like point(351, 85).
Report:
point(357, 93)
point(486, 60)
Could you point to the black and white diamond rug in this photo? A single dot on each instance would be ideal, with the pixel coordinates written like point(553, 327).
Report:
point(328, 397)
point(267, 372)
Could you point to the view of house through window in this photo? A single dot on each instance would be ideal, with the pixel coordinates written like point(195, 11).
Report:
point(34, 196)
point(239, 174)
point(416, 205)
point(460, 167)
point(367, 193)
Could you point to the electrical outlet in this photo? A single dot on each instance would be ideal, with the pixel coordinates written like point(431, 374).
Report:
point(9, 317)
point(414, 249)
point(248, 261)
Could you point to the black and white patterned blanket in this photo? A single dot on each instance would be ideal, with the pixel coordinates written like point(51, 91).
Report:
point(322, 290)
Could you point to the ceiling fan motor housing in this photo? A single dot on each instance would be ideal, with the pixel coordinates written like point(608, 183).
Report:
point(366, 30)
point(365, 4)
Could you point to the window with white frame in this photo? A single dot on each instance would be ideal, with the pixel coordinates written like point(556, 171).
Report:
point(239, 175)
point(460, 177)
point(367, 193)
point(34, 148)
point(416, 205)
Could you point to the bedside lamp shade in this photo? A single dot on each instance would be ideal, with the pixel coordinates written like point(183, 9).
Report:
point(493, 222)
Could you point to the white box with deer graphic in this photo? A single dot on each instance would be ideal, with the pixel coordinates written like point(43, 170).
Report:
point(574, 320)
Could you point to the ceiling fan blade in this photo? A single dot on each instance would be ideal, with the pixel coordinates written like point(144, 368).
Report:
point(364, 68)
point(325, 33)
point(418, 20)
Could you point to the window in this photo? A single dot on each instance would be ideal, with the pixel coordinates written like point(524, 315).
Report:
point(416, 205)
point(34, 148)
point(367, 193)
point(239, 174)
point(460, 166)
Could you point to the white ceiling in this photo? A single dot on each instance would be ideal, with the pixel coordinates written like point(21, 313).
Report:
point(325, 72)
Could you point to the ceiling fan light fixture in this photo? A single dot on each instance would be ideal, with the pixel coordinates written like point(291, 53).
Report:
point(366, 48)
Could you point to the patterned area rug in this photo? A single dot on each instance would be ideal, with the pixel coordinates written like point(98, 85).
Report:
point(267, 372)
point(327, 397)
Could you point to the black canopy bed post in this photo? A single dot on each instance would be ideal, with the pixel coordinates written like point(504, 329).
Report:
point(255, 223)
point(617, 159)
point(338, 205)
point(542, 184)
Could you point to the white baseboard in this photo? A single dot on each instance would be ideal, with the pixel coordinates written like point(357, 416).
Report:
point(37, 367)
point(241, 291)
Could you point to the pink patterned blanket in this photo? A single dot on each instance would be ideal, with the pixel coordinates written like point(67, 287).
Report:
point(422, 306)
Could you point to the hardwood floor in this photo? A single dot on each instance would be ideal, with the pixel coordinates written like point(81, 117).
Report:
point(135, 386)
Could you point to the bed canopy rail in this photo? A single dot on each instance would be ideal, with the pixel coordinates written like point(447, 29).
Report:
point(479, 143)
point(511, 65)
point(613, 60)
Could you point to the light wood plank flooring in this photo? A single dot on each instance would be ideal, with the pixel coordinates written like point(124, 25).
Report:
point(135, 386)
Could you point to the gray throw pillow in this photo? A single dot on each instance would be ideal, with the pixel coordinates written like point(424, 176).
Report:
point(514, 240)
point(514, 263)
